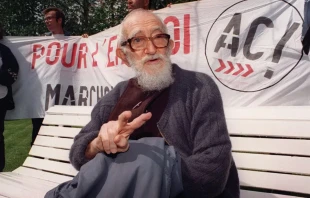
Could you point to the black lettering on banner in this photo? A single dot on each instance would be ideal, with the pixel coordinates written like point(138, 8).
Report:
point(234, 24)
point(50, 92)
point(106, 90)
point(98, 92)
point(279, 48)
point(220, 43)
point(81, 98)
point(250, 37)
point(92, 89)
point(69, 94)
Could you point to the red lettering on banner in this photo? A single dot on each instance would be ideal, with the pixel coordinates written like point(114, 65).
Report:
point(82, 55)
point(176, 32)
point(35, 56)
point(49, 51)
point(64, 55)
point(110, 49)
point(187, 36)
point(95, 64)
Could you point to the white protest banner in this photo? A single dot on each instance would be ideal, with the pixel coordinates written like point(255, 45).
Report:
point(250, 48)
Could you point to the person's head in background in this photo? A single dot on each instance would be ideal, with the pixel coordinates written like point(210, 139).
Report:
point(135, 4)
point(54, 19)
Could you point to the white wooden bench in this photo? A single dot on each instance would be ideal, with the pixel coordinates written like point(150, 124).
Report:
point(271, 147)
point(47, 164)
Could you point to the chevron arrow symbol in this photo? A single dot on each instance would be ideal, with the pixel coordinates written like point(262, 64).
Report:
point(239, 71)
point(250, 70)
point(231, 67)
point(241, 68)
point(223, 66)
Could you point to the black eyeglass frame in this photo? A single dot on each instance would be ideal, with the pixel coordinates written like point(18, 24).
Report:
point(49, 18)
point(128, 41)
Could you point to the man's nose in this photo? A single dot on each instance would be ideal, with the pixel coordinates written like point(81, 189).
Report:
point(150, 48)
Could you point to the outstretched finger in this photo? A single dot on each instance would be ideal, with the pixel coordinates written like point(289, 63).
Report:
point(123, 119)
point(140, 120)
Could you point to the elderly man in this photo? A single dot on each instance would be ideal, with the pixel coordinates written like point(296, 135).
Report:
point(163, 100)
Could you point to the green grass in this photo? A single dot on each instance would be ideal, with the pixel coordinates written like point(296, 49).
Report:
point(17, 137)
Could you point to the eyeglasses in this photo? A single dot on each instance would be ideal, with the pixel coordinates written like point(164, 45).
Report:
point(49, 18)
point(140, 42)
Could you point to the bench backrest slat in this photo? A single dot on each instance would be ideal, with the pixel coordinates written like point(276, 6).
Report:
point(70, 110)
point(268, 113)
point(59, 131)
point(64, 143)
point(271, 145)
point(275, 163)
point(49, 152)
point(253, 194)
point(66, 120)
point(41, 174)
point(284, 182)
point(271, 128)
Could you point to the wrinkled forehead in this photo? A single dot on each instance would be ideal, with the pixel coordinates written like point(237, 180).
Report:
point(142, 23)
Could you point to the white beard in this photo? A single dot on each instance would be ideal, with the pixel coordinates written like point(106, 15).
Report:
point(158, 78)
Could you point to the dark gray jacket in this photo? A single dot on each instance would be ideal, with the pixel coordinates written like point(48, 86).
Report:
point(194, 123)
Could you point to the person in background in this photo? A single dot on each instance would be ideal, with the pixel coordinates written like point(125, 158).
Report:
point(8, 75)
point(54, 20)
point(135, 4)
point(131, 5)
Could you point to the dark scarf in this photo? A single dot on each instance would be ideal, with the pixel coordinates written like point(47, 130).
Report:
point(138, 101)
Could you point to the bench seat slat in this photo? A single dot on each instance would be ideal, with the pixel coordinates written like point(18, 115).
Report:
point(20, 186)
point(275, 181)
point(271, 145)
point(40, 174)
point(66, 120)
point(275, 128)
point(63, 143)
point(51, 153)
point(49, 165)
point(276, 163)
point(59, 131)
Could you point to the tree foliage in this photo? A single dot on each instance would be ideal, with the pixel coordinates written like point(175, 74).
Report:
point(25, 18)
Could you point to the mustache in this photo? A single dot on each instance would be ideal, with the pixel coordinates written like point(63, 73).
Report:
point(152, 57)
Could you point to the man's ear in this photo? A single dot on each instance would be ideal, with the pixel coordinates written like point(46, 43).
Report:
point(120, 54)
point(59, 20)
